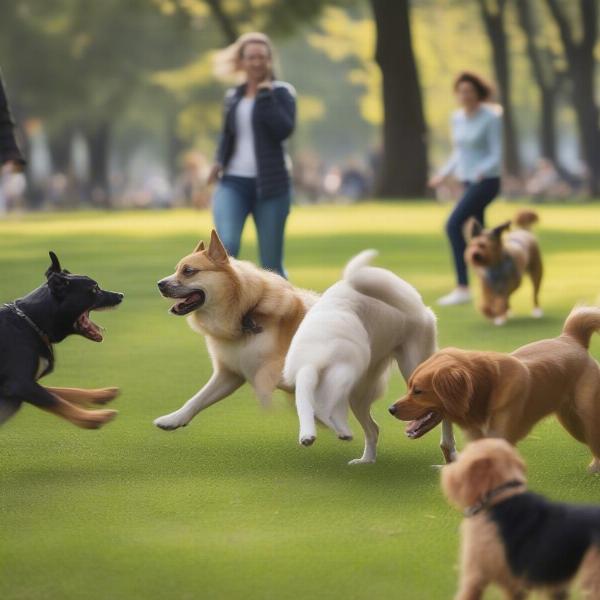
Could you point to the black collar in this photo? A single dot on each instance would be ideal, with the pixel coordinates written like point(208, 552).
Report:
point(485, 500)
point(41, 333)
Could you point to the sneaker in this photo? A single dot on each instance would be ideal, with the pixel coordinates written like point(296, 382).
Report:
point(457, 296)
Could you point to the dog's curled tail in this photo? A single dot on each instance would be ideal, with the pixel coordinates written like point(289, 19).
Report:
point(524, 219)
point(359, 261)
point(581, 323)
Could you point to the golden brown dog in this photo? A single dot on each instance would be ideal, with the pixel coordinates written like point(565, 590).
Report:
point(248, 317)
point(500, 261)
point(490, 394)
point(515, 539)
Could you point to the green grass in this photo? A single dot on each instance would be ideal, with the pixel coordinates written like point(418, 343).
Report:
point(231, 507)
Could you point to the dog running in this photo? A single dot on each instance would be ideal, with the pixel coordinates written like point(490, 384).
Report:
point(516, 539)
point(247, 316)
point(341, 354)
point(491, 394)
point(501, 258)
point(29, 328)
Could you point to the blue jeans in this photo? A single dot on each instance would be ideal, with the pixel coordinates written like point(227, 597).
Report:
point(235, 198)
point(475, 199)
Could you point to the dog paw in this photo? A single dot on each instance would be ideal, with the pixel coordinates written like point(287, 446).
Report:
point(498, 321)
point(308, 440)
point(361, 461)
point(594, 466)
point(94, 419)
point(105, 395)
point(345, 437)
point(537, 313)
point(171, 422)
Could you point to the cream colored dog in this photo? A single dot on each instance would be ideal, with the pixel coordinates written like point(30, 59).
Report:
point(342, 351)
point(248, 317)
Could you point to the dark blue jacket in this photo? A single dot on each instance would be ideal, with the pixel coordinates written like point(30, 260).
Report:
point(273, 120)
point(8, 146)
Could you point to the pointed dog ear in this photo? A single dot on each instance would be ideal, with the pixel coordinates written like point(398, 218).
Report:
point(216, 250)
point(199, 247)
point(498, 231)
point(54, 266)
point(454, 386)
point(472, 229)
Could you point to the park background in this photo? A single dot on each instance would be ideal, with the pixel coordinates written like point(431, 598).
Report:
point(116, 104)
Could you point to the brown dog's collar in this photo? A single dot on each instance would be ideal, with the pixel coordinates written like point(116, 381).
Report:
point(484, 503)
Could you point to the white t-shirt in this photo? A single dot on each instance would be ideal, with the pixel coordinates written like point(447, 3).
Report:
point(243, 160)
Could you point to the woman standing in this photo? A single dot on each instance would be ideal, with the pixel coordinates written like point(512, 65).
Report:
point(251, 161)
point(477, 162)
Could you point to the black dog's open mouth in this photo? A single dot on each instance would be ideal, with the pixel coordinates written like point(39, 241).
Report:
point(422, 425)
point(87, 328)
point(189, 303)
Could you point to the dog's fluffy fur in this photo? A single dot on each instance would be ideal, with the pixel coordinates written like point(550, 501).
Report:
point(516, 539)
point(341, 352)
point(501, 259)
point(248, 317)
point(490, 394)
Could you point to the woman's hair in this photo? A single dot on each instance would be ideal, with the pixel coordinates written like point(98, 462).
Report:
point(227, 61)
point(484, 89)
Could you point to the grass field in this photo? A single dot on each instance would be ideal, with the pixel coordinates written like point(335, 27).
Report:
point(231, 507)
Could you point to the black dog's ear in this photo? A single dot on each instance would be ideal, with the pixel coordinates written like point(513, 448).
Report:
point(497, 231)
point(58, 283)
point(54, 267)
point(472, 229)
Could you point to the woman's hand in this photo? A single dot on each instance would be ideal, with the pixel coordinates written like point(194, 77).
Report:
point(214, 174)
point(436, 181)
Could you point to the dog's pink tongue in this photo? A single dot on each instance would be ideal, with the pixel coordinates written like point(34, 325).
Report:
point(89, 329)
point(194, 297)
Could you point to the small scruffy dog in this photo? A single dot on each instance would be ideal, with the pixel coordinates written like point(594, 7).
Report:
point(500, 261)
point(516, 539)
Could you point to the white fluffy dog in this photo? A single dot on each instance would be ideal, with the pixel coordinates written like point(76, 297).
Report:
point(341, 353)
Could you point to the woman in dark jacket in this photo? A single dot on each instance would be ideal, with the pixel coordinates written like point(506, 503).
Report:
point(10, 155)
point(251, 161)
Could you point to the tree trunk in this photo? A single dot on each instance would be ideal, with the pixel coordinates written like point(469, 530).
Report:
point(99, 142)
point(581, 67)
point(403, 170)
point(494, 26)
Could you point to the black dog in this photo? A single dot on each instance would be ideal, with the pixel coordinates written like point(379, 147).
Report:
point(28, 329)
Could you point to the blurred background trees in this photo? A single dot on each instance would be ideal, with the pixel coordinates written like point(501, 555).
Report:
point(116, 95)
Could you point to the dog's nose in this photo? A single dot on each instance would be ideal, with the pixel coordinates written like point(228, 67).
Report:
point(121, 296)
point(392, 409)
point(162, 284)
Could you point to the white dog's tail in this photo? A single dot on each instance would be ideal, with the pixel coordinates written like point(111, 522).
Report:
point(581, 323)
point(358, 262)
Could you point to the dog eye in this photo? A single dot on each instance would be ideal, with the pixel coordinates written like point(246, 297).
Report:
point(417, 391)
point(187, 271)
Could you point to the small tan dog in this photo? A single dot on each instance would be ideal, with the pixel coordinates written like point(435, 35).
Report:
point(500, 261)
point(491, 394)
point(515, 539)
point(248, 317)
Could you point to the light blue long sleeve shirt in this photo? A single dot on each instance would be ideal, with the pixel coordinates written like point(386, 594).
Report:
point(477, 141)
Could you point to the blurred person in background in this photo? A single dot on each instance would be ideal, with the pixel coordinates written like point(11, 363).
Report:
point(11, 159)
point(251, 164)
point(477, 162)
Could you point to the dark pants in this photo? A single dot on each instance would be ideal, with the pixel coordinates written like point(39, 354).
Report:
point(234, 200)
point(472, 204)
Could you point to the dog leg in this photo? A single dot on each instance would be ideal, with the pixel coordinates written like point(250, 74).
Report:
point(447, 442)
point(221, 384)
point(8, 408)
point(38, 396)
point(361, 407)
point(306, 385)
point(265, 382)
point(470, 590)
point(339, 419)
point(535, 272)
point(83, 396)
point(334, 397)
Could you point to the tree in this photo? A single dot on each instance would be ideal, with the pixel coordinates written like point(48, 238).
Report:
point(404, 162)
point(581, 70)
point(547, 76)
point(493, 16)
